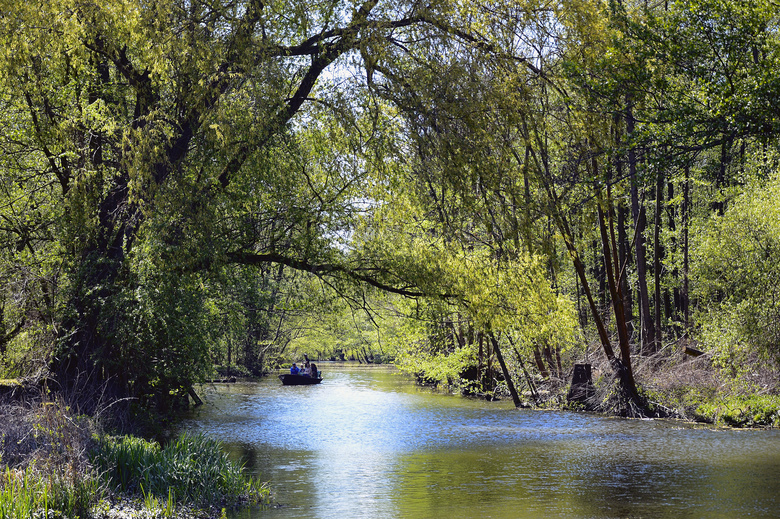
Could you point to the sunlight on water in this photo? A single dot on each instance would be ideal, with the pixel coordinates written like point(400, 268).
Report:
point(369, 443)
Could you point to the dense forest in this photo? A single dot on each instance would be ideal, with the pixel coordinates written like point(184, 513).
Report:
point(481, 192)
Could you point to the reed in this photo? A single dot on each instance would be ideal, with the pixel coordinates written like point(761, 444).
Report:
point(25, 493)
point(191, 469)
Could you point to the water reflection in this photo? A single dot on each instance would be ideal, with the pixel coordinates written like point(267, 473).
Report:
point(367, 443)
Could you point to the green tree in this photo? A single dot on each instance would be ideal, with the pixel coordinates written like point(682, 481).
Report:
point(735, 262)
point(144, 121)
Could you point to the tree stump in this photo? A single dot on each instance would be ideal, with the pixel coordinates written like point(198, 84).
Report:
point(581, 384)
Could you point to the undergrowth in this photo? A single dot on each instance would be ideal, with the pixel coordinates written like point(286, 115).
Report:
point(191, 469)
point(744, 410)
point(677, 385)
point(54, 463)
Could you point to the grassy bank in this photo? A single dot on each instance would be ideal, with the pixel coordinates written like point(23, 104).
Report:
point(56, 464)
point(696, 389)
point(671, 384)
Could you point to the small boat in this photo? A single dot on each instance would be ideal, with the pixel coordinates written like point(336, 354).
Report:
point(289, 379)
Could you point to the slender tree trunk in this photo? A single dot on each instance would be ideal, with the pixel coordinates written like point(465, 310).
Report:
point(507, 376)
point(599, 273)
point(481, 363)
point(623, 245)
point(540, 363)
point(658, 253)
point(528, 379)
point(229, 355)
point(582, 314)
point(549, 358)
point(686, 210)
point(624, 257)
point(638, 212)
point(675, 310)
point(718, 205)
point(610, 257)
point(489, 373)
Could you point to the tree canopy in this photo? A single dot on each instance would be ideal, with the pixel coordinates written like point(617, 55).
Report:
point(186, 183)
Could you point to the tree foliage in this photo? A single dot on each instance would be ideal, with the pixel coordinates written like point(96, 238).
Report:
point(189, 182)
point(738, 278)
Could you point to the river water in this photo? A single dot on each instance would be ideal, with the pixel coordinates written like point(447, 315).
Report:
point(369, 443)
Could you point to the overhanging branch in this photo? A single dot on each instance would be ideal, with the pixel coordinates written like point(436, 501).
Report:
point(329, 269)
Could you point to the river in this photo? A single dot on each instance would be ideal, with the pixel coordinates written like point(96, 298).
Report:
point(369, 443)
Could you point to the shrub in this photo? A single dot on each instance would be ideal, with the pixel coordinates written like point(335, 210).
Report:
point(745, 411)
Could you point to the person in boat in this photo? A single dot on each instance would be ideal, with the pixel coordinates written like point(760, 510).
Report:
point(306, 369)
point(294, 369)
point(313, 370)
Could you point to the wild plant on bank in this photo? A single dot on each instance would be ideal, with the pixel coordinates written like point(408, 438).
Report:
point(191, 469)
point(44, 463)
point(56, 464)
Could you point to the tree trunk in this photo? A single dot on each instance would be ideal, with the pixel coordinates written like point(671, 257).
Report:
point(686, 210)
point(658, 253)
point(624, 257)
point(507, 376)
point(638, 213)
point(481, 363)
point(718, 205)
point(675, 310)
point(610, 258)
point(528, 379)
point(540, 363)
point(549, 358)
point(623, 246)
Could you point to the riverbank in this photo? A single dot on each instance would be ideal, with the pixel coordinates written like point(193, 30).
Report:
point(678, 383)
point(59, 464)
point(697, 389)
point(681, 386)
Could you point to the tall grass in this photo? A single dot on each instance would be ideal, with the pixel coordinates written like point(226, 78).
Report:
point(191, 469)
point(26, 493)
point(21, 494)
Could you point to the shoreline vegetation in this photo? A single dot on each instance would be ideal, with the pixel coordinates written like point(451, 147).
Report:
point(55, 463)
point(674, 385)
